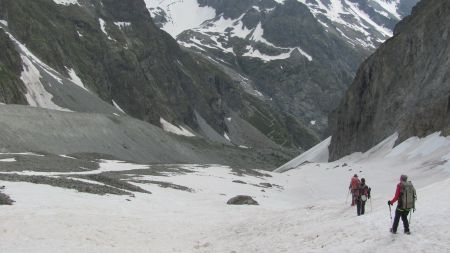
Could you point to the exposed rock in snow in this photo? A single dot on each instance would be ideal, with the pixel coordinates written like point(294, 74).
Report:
point(5, 199)
point(242, 200)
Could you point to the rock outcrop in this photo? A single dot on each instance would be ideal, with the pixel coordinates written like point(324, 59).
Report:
point(404, 87)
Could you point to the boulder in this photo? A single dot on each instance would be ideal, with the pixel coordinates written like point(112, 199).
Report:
point(242, 200)
point(5, 199)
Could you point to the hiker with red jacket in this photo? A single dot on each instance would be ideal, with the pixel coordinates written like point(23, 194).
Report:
point(405, 194)
point(354, 188)
point(363, 196)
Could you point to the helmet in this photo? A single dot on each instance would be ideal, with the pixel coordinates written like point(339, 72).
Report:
point(403, 178)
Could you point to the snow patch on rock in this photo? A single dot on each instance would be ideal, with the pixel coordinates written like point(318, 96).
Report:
point(67, 2)
point(75, 79)
point(178, 130)
point(181, 14)
point(103, 28)
point(117, 106)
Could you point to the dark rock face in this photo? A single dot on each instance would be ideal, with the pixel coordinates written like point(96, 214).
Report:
point(242, 200)
point(404, 87)
point(11, 87)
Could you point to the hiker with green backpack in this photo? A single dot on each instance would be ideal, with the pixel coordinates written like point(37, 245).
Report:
point(406, 196)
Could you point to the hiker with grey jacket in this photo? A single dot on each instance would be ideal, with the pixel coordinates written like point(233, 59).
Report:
point(406, 196)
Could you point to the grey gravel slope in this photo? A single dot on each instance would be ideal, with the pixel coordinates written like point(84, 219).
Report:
point(24, 128)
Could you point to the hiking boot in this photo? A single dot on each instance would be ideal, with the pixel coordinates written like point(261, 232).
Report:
point(407, 232)
point(392, 231)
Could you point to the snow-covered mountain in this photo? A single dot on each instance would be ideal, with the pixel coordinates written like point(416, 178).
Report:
point(299, 56)
point(364, 23)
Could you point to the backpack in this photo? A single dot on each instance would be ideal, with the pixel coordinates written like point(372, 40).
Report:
point(364, 192)
point(355, 183)
point(407, 195)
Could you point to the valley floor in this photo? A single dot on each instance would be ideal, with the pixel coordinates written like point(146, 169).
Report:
point(302, 210)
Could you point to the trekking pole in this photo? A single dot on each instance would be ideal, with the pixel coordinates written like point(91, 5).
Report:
point(410, 217)
point(346, 199)
point(390, 213)
point(370, 204)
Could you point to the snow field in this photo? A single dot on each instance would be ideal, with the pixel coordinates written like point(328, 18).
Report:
point(304, 211)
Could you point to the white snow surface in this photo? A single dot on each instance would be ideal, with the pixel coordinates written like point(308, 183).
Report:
point(8, 160)
point(37, 95)
point(335, 10)
point(182, 14)
point(103, 28)
point(76, 79)
point(225, 135)
point(304, 211)
point(122, 24)
point(178, 130)
point(3, 22)
point(66, 2)
point(118, 107)
point(317, 154)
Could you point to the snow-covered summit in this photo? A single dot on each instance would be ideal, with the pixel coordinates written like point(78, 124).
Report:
point(360, 23)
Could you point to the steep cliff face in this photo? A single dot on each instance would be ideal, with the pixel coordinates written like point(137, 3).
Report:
point(113, 51)
point(404, 87)
point(12, 88)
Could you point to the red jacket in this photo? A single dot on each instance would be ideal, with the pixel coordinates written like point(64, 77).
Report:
point(397, 193)
point(354, 184)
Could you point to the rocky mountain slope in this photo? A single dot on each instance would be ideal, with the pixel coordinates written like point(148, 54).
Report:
point(108, 57)
point(297, 55)
point(404, 87)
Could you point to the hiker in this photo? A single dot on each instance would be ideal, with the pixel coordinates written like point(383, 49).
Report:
point(354, 186)
point(406, 196)
point(363, 196)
